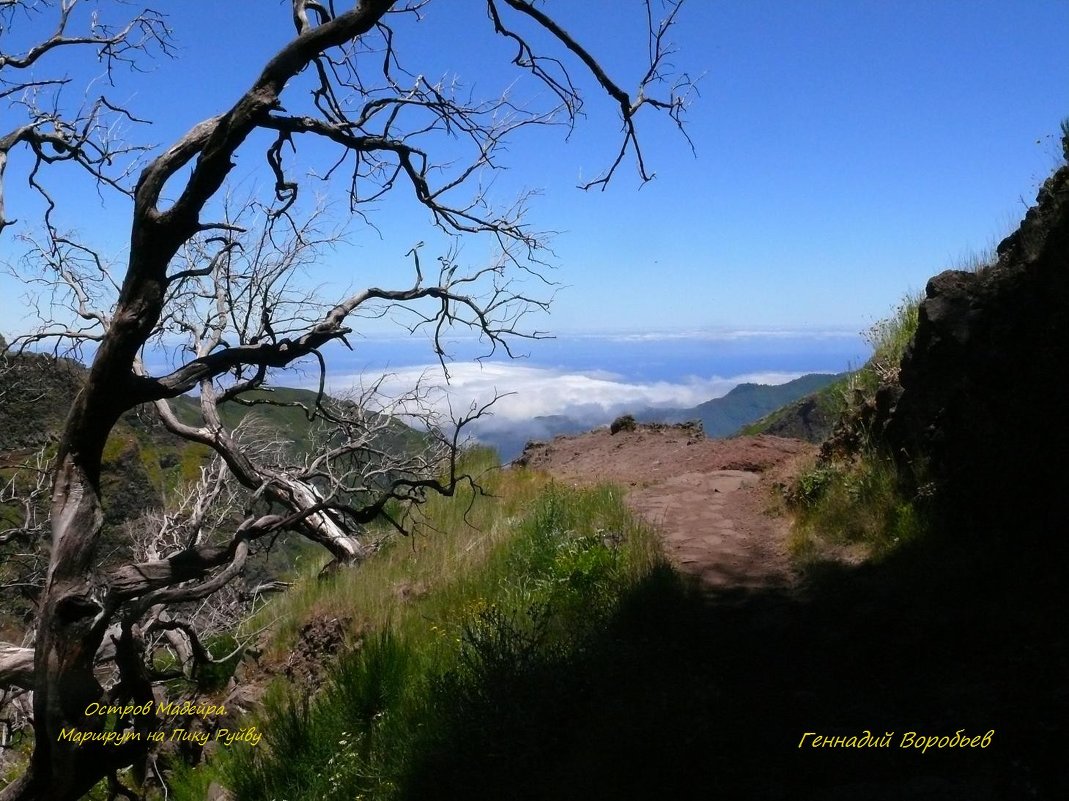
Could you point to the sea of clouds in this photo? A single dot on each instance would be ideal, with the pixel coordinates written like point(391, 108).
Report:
point(527, 391)
point(588, 379)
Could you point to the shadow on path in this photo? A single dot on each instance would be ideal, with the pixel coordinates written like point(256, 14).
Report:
point(692, 695)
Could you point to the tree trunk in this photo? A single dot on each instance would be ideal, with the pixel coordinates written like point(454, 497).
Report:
point(71, 628)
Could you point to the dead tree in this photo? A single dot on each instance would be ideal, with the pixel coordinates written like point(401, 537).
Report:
point(344, 84)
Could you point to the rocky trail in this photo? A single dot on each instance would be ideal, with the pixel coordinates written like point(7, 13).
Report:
point(708, 498)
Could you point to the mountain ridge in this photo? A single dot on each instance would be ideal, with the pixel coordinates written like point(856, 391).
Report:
point(720, 417)
point(744, 404)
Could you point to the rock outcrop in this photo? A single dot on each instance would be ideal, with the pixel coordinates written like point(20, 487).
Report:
point(983, 409)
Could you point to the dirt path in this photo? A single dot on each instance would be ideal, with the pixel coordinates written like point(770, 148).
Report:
point(707, 497)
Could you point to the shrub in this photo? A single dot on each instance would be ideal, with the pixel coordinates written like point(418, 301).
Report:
point(852, 495)
point(810, 486)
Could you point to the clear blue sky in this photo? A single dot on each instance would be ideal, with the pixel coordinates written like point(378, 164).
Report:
point(846, 151)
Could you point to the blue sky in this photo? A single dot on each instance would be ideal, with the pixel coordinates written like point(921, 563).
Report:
point(845, 152)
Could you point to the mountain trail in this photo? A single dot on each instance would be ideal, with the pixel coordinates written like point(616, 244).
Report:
point(708, 498)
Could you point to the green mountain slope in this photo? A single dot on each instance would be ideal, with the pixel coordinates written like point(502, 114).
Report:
point(35, 392)
point(812, 417)
point(143, 462)
point(745, 404)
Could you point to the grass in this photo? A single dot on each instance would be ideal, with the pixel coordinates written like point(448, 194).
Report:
point(468, 672)
point(856, 498)
point(452, 537)
point(981, 261)
point(888, 339)
point(851, 503)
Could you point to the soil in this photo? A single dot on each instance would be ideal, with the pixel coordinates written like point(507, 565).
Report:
point(945, 635)
point(710, 499)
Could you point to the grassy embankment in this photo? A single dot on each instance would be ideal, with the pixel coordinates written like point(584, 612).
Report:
point(854, 497)
point(470, 645)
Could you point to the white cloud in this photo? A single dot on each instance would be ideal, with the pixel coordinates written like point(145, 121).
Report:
point(587, 396)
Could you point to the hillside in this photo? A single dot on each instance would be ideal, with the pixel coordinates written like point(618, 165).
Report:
point(144, 466)
point(143, 460)
point(881, 620)
point(932, 586)
point(408, 677)
point(34, 394)
point(811, 418)
point(769, 657)
point(746, 403)
point(738, 671)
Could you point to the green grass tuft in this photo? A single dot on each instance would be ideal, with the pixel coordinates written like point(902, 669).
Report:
point(888, 339)
point(851, 503)
point(510, 590)
point(856, 498)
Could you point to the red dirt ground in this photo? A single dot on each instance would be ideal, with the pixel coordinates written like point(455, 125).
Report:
point(709, 498)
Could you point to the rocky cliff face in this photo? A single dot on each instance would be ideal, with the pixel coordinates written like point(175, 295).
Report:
point(983, 408)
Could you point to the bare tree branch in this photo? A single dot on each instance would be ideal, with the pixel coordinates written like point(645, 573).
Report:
point(84, 137)
point(16, 666)
point(216, 286)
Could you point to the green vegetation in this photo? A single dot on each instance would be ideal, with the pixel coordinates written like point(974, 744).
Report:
point(815, 416)
point(851, 502)
point(469, 647)
point(811, 417)
point(451, 538)
point(746, 403)
point(889, 339)
point(978, 261)
point(852, 495)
